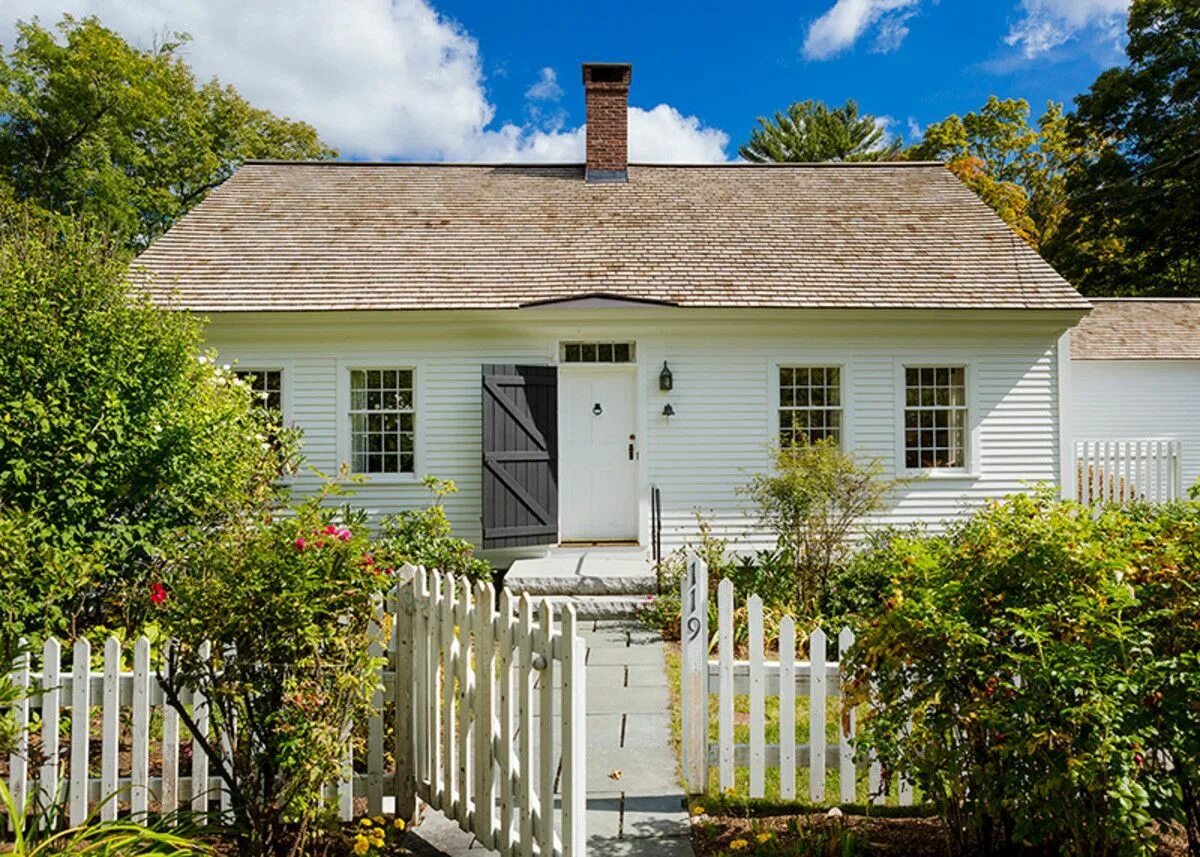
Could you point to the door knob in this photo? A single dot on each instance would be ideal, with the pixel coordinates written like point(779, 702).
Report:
point(597, 410)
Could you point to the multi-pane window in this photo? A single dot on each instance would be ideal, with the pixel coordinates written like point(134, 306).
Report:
point(810, 404)
point(267, 385)
point(935, 417)
point(597, 352)
point(381, 421)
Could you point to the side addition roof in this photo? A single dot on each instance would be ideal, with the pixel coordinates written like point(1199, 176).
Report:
point(1139, 328)
point(346, 236)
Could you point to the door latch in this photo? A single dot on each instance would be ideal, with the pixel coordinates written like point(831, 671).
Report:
point(597, 410)
point(632, 438)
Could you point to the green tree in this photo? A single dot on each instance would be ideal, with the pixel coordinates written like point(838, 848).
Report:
point(1133, 224)
point(1015, 167)
point(808, 131)
point(94, 126)
point(113, 434)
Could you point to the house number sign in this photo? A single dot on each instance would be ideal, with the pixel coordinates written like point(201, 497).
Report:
point(694, 625)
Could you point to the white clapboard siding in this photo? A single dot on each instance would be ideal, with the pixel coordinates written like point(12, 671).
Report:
point(726, 388)
point(1128, 471)
point(759, 678)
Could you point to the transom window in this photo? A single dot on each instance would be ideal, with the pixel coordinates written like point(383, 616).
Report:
point(267, 384)
point(935, 417)
point(810, 404)
point(381, 421)
point(597, 352)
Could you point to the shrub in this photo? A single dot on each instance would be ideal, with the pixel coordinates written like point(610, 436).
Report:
point(1162, 544)
point(424, 537)
point(115, 435)
point(811, 502)
point(286, 604)
point(1001, 673)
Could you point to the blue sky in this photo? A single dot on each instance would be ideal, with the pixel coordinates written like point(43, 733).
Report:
point(485, 81)
point(727, 69)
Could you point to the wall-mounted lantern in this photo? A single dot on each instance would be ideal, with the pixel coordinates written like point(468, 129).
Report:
point(668, 411)
point(666, 381)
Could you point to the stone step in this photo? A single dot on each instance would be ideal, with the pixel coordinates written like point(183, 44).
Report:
point(581, 584)
point(598, 606)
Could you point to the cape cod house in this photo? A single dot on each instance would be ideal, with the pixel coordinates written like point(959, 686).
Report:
point(567, 342)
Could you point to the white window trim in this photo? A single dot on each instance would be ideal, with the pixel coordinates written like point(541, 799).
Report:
point(344, 368)
point(970, 470)
point(826, 361)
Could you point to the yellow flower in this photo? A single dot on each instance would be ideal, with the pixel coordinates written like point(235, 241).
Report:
point(739, 845)
point(366, 822)
point(398, 824)
point(361, 845)
point(379, 820)
point(697, 810)
point(765, 836)
point(729, 792)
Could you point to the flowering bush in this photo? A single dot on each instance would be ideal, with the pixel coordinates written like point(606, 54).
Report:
point(1033, 672)
point(377, 836)
point(283, 603)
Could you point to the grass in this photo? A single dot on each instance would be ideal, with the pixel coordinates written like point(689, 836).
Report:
point(741, 735)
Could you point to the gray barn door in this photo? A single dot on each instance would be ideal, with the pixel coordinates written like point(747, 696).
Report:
point(520, 456)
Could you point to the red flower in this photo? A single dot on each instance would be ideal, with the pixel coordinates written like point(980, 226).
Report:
point(331, 530)
point(158, 593)
point(300, 544)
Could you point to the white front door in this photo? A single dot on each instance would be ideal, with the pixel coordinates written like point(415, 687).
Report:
point(597, 428)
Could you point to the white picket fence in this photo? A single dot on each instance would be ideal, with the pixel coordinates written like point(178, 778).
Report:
point(1124, 471)
point(130, 701)
point(758, 678)
point(469, 691)
point(488, 685)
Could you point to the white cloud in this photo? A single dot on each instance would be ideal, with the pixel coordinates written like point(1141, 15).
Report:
point(1046, 24)
point(847, 20)
point(546, 88)
point(915, 131)
point(377, 78)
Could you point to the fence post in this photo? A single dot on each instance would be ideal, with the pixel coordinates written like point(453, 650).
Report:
point(406, 781)
point(694, 671)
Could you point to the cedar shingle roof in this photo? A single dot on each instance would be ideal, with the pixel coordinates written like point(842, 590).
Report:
point(1139, 328)
point(325, 236)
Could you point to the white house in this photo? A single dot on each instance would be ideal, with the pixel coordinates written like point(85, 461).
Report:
point(562, 340)
point(1135, 381)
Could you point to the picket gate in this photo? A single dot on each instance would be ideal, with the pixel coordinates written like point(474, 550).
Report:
point(758, 679)
point(464, 683)
point(489, 677)
point(1125, 471)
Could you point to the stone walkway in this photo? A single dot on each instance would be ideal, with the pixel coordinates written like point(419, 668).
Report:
point(636, 806)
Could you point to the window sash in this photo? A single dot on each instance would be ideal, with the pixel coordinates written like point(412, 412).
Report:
point(382, 421)
point(597, 352)
point(267, 384)
point(810, 403)
point(936, 421)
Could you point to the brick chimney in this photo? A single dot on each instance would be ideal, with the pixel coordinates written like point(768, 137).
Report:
point(606, 89)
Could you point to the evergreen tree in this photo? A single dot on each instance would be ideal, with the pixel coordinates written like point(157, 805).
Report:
point(808, 131)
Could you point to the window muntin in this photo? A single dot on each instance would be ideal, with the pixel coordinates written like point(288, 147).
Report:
point(935, 417)
point(382, 414)
point(810, 404)
point(267, 384)
point(597, 352)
